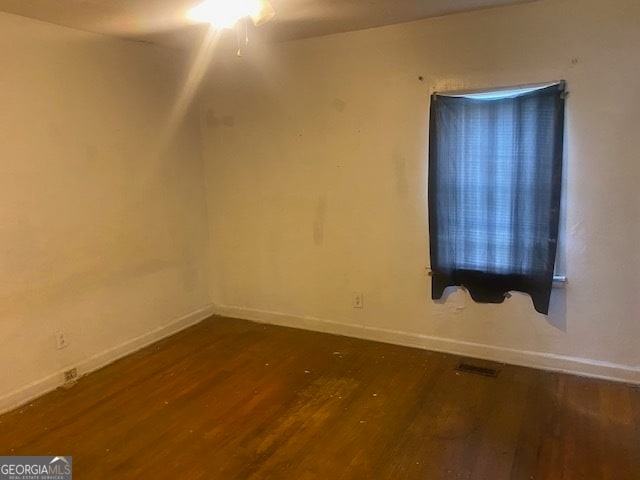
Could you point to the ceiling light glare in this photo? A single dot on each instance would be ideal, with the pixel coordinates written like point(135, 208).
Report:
point(223, 13)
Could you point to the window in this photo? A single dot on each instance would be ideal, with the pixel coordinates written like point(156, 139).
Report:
point(495, 170)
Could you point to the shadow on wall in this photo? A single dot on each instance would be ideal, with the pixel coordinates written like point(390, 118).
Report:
point(557, 317)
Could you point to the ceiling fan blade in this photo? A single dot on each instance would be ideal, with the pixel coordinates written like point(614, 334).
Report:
point(265, 14)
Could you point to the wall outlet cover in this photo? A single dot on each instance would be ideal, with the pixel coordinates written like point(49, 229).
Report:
point(357, 300)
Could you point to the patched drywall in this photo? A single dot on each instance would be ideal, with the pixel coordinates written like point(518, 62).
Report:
point(319, 189)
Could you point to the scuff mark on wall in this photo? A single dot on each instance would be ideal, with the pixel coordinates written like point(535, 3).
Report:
point(319, 221)
point(212, 120)
point(578, 237)
point(339, 105)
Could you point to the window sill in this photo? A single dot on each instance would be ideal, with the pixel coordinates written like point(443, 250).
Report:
point(559, 281)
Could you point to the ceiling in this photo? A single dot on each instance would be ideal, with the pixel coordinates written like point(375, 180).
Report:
point(163, 21)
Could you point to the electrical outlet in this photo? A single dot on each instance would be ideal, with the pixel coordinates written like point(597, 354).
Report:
point(61, 340)
point(70, 375)
point(357, 300)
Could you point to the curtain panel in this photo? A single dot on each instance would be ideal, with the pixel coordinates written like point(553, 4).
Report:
point(495, 176)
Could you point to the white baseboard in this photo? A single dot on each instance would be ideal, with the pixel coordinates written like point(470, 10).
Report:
point(44, 385)
point(539, 360)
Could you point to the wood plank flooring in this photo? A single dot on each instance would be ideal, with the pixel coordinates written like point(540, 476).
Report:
point(229, 399)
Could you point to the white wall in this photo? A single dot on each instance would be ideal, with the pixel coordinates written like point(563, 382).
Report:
point(316, 161)
point(102, 212)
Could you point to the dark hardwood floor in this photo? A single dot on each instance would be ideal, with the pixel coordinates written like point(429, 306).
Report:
point(230, 399)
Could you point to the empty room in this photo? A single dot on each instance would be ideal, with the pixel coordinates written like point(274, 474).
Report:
point(318, 239)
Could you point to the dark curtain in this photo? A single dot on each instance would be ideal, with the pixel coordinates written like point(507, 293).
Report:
point(495, 171)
